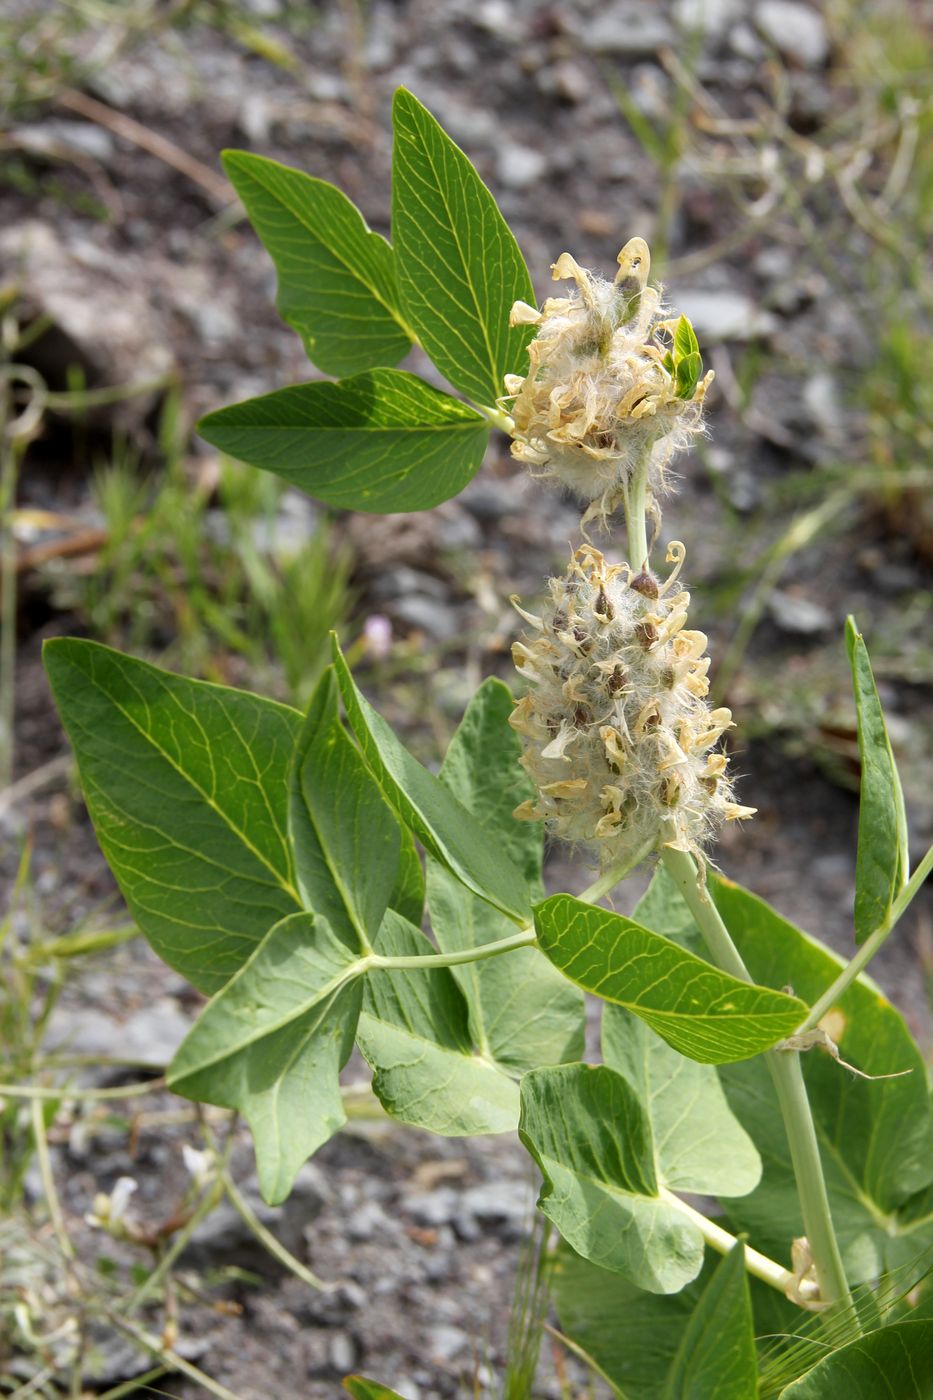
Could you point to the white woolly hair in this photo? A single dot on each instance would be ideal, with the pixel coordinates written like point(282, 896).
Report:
point(600, 398)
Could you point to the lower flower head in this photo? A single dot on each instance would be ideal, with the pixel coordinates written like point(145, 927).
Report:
point(618, 736)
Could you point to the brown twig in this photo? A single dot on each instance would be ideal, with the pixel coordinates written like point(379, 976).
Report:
point(131, 130)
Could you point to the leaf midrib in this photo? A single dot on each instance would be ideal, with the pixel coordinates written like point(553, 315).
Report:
point(467, 278)
point(284, 884)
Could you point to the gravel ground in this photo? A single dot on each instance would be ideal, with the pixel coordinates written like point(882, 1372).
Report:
point(420, 1235)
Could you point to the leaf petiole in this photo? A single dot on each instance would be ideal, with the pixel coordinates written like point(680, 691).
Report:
point(870, 947)
point(525, 938)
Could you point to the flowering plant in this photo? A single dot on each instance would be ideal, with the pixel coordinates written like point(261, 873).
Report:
point(281, 861)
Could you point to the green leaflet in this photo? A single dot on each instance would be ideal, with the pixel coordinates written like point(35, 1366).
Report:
point(699, 1144)
point(523, 1012)
point(716, 1355)
point(381, 441)
point(408, 894)
point(413, 1030)
point(346, 840)
point(895, 1363)
point(337, 282)
point(459, 267)
point(443, 826)
point(690, 1345)
point(186, 784)
point(587, 1130)
point(271, 1044)
point(876, 1137)
point(363, 1389)
point(882, 862)
point(700, 1011)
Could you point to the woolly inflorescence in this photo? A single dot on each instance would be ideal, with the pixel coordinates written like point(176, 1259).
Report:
point(618, 737)
point(611, 384)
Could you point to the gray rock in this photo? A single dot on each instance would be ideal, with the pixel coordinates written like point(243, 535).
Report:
point(488, 499)
point(712, 17)
point(822, 402)
point(342, 1351)
point(368, 1220)
point(519, 167)
point(567, 80)
point(224, 1238)
point(796, 31)
point(722, 315)
point(101, 320)
point(433, 1208)
point(436, 619)
point(801, 616)
point(402, 581)
point(151, 1035)
point(62, 137)
point(745, 43)
point(634, 30)
point(445, 1343)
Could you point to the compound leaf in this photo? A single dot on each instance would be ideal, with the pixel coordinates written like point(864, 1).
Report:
point(702, 1012)
point(442, 824)
point(346, 840)
point(271, 1044)
point(699, 1144)
point(413, 1030)
point(187, 787)
point(381, 441)
point(408, 892)
point(882, 862)
point(876, 1136)
point(890, 1364)
point(523, 1012)
point(716, 1355)
point(361, 1388)
point(337, 285)
point(459, 267)
point(590, 1135)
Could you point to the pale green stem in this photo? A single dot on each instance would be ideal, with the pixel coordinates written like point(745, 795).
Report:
point(870, 947)
point(8, 472)
point(634, 502)
point(768, 1270)
point(497, 417)
point(524, 939)
point(784, 1067)
point(269, 1241)
point(73, 1095)
point(48, 1182)
point(615, 874)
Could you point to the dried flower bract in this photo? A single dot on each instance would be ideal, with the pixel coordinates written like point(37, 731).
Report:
point(612, 385)
point(618, 736)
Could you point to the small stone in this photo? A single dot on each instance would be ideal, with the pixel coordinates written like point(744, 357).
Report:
point(445, 1343)
point(633, 30)
point(821, 399)
point(801, 616)
point(342, 1351)
point(436, 619)
point(51, 138)
point(519, 167)
point(796, 31)
point(566, 80)
point(711, 17)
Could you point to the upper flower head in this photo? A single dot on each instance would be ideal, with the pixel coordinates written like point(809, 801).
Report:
point(612, 385)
